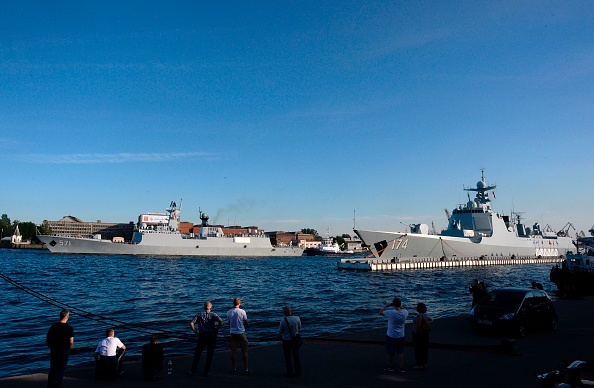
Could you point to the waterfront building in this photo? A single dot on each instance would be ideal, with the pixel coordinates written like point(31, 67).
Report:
point(74, 227)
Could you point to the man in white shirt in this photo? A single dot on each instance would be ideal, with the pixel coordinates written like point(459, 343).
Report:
point(237, 322)
point(396, 315)
point(109, 357)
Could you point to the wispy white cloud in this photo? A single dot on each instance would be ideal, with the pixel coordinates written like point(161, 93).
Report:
point(98, 158)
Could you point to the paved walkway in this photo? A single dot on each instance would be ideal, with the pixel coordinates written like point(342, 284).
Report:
point(458, 357)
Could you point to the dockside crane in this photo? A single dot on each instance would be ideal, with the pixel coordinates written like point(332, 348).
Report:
point(564, 232)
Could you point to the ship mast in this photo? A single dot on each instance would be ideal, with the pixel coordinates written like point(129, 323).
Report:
point(482, 189)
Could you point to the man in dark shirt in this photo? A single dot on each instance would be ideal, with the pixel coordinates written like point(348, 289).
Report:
point(152, 359)
point(60, 339)
point(208, 324)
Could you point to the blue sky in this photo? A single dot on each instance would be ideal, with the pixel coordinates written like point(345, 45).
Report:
point(290, 115)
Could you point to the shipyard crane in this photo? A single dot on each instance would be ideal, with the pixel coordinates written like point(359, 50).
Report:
point(448, 214)
point(564, 232)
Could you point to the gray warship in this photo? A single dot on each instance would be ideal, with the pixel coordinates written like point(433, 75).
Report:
point(165, 239)
point(474, 230)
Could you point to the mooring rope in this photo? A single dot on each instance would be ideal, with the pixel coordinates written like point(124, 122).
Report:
point(448, 245)
point(111, 321)
point(92, 316)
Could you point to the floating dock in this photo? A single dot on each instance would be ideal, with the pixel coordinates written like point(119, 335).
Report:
point(365, 264)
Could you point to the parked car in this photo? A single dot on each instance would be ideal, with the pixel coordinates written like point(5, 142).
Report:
point(514, 310)
point(576, 374)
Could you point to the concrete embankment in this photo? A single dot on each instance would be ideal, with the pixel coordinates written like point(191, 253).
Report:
point(458, 357)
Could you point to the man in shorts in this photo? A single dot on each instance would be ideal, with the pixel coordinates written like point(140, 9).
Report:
point(396, 315)
point(237, 322)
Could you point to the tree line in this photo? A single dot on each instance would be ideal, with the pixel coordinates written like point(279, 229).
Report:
point(27, 229)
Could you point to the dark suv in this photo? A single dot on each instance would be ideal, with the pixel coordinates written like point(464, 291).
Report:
point(514, 310)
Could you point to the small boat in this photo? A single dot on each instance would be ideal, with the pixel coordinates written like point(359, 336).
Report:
point(575, 276)
point(163, 238)
point(328, 247)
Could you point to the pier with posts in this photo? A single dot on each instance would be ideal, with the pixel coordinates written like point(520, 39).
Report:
point(416, 263)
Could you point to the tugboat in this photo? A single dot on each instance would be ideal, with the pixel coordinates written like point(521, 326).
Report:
point(327, 247)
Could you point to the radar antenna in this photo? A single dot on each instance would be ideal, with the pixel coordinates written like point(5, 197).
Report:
point(482, 189)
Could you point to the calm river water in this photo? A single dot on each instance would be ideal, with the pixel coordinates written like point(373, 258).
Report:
point(139, 296)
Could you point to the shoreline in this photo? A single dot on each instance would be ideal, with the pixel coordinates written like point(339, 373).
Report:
point(457, 356)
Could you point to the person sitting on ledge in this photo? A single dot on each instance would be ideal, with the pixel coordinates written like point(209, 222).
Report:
point(109, 357)
point(152, 359)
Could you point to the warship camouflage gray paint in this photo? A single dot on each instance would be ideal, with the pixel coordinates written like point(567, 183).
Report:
point(166, 240)
point(473, 230)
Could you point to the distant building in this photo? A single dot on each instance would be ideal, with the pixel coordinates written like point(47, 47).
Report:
point(15, 241)
point(353, 245)
point(16, 236)
point(74, 227)
point(292, 238)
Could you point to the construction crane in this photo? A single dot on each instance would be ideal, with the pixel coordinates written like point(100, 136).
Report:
point(564, 232)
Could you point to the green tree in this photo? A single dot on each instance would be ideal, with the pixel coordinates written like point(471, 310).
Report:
point(310, 231)
point(339, 240)
point(28, 230)
point(45, 228)
point(5, 227)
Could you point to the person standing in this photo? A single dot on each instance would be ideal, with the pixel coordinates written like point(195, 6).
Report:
point(60, 339)
point(420, 336)
point(396, 315)
point(289, 327)
point(477, 290)
point(238, 321)
point(109, 356)
point(205, 326)
point(152, 359)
